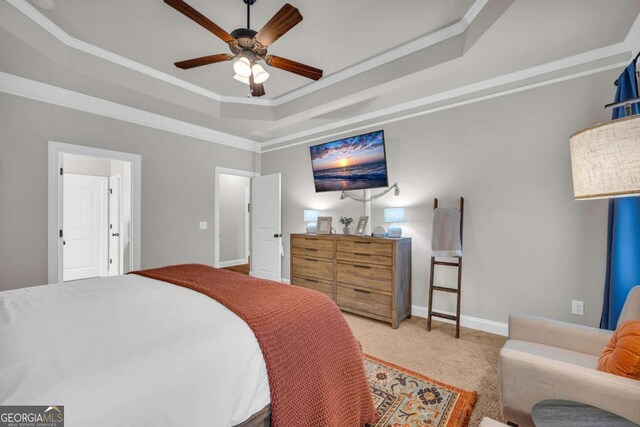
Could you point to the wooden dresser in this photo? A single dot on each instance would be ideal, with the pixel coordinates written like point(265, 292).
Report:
point(363, 275)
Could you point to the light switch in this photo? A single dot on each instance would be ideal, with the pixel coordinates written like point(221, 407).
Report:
point(203, 225)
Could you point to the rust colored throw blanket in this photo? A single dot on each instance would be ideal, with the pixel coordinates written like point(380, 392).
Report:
point(314, 363)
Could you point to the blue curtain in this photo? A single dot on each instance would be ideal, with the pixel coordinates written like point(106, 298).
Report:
point(623, 238)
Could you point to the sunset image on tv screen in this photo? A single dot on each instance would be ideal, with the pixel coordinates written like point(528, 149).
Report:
point(353, 163)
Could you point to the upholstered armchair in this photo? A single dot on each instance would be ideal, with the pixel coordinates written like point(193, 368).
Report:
point(548, 359)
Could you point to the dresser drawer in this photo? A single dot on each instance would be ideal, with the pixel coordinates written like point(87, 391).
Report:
point(312, 242)
point(317, 285)
point(365, 301)
point(362, 257)
point(314, 268)
point(365, 276)
point(365, 247)
point(311, 252)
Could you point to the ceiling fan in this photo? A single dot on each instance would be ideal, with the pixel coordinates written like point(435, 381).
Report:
point(249, 46)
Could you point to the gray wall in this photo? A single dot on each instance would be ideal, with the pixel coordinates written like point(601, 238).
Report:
point(177, 185)
point(529, 247)
point(233, 211)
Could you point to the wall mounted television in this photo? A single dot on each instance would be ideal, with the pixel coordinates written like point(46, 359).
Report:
point(354, 163)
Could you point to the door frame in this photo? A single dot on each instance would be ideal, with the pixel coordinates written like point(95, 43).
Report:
point(55, 194)
point(120, 240)
point(247, 222)
point(216, 208)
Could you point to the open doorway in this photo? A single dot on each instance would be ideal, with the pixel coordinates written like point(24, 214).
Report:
point(96, 217)
point(233, 219)
point(94, 212)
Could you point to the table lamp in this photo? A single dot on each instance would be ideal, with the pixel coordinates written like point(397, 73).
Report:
point(394, 215)
point(311, 217)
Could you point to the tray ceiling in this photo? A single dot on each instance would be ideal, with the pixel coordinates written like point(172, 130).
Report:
point(334, 35)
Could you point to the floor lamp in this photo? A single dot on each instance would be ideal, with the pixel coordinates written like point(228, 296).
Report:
point(605, 161)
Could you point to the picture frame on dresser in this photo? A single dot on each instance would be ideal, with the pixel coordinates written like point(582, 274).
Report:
point(323, 225)
point(362, 225)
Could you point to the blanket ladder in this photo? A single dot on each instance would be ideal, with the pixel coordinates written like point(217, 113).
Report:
point(457, 290)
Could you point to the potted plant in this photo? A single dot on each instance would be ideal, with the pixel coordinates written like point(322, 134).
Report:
point(346, 221)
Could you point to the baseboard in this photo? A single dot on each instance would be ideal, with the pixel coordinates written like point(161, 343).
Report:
point(471, 322)
point(233, 263)
point(484, 325)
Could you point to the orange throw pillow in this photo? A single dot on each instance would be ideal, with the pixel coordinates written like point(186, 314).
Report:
point(622, 355)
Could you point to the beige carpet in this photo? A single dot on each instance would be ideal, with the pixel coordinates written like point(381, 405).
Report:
point(469, 362)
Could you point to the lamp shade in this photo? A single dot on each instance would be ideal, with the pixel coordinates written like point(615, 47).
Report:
point(259, 74)
point(605, 159)
point(241, 79)
point(311, 215)
point(242, 67)
point(394, 215)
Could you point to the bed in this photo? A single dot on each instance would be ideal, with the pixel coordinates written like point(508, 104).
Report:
point(133, 351)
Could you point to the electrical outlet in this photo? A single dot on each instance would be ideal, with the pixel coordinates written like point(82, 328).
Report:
point(203, 225)
point(577, 307)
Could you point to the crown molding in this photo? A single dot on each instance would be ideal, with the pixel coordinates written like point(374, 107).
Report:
point(43, 92)
point(520, 76)
point(26, 88)
point(423, 42)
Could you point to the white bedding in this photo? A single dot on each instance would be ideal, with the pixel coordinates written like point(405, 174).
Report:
point(129, 351)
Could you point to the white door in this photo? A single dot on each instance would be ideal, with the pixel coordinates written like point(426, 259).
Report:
point(115, 241)
point(84, 225)
point(266, 232)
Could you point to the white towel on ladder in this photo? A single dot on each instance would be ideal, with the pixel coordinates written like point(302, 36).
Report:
point(445, 233)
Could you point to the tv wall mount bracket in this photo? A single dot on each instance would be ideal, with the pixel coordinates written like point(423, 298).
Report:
point(346, 194)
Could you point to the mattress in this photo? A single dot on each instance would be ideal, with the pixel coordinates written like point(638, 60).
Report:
point(129, 351)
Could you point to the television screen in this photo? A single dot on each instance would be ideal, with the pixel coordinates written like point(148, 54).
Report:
point(354, 163)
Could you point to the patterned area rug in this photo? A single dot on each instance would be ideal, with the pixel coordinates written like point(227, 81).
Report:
point(407, 399)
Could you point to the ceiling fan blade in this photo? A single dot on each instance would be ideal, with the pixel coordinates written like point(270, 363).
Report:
point(204, 60)
point(257, 89)
point(196, 16)
point(293, 67)
point(284, 20)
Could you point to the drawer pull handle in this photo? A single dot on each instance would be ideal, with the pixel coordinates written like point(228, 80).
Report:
point(311, 259)
point(361, 291)
point(311, 249)
point(362, 243)
point(311, 280)
point(362, 254)
point(363, 266)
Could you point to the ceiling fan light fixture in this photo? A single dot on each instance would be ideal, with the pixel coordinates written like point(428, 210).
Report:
point(247, 46)
point(260, 75)
point(242, 67)
point(241, 79)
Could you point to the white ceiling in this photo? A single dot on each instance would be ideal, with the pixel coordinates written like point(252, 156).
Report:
point(334, 35)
